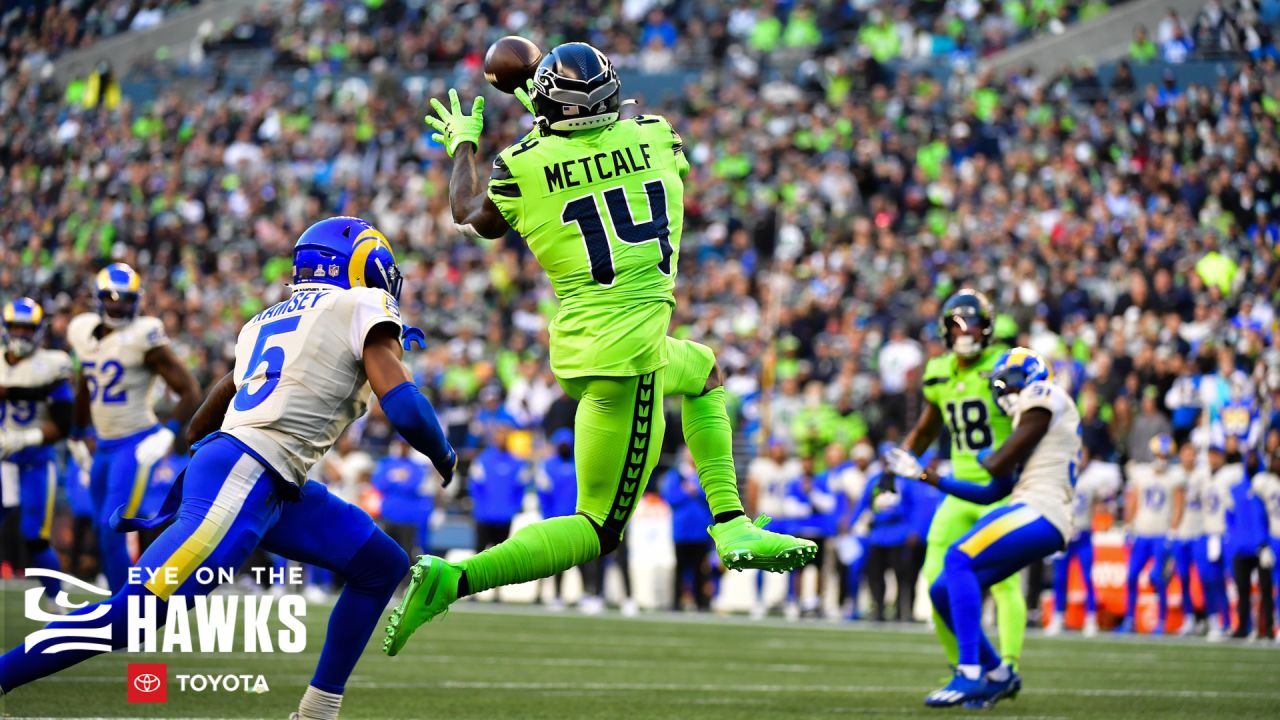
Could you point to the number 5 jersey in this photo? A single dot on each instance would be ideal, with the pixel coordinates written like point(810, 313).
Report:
point(299, 374)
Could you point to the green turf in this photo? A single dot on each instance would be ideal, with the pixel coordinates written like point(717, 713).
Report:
point(483, 662)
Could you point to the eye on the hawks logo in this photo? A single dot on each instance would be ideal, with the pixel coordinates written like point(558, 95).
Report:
point(148, 683)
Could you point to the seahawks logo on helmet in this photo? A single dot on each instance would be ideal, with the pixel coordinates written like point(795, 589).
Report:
point(576, 88)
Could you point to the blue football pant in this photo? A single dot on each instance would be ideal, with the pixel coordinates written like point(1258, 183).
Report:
point(1081, 549)
point(1003, 542)
point(37, 490)
point(1184, 558)
point(1213, 580)
point(1153, 549)
point(119, 476)
point(230, 505)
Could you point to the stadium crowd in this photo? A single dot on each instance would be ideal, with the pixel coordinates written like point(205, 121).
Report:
point(1129, 233)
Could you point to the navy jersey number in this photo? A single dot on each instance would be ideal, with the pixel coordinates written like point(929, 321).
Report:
point(969, 425)
point(585, 211)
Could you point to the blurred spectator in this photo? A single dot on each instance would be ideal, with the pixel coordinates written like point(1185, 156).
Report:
point(690, 518)
point(887, 545)
point(557, 484)
point(497, 483)
point(812, 508)
point(408, 497)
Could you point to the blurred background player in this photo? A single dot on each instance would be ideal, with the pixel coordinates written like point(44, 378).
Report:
point(1033, 467)
point(851, 480)
point(1266, 486)
point(305, 369)
point(768, 478)
point(1211, 561)
point(557, 483)
point(1153, 506)
point(1188, 532)
point(615, 278)
point(690, 517)
point(121, 354)
point(957, 398)
point(35, 413)
point(1096, 483)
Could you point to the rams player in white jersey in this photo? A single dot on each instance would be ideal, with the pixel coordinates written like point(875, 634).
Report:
point(35, 412)
point(1188, 531)
point(1152, 509)
point(121, 354)
point(1035, 467)
point(305, 369)
point(1096, 483)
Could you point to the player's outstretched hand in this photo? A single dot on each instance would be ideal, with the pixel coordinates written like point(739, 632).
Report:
point(903, 464)
point(447, 467)
point(452, 127)
point(522, 94)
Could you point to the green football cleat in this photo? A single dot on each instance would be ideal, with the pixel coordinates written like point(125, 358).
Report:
point(743, 544)
point(433, 586)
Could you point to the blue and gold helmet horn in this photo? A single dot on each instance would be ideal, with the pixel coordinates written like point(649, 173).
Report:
point(1015, 370)
point(346, 252)
point(23, 326)
point(118, 289)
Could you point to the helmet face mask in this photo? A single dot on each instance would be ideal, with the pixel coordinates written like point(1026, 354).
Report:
point(23, 323)
point(966, 323)
point(576, 88)
point(119, 290)
point(1013, 372)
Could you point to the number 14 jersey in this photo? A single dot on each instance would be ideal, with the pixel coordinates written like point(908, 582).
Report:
point(299, 374)
point(602, 211)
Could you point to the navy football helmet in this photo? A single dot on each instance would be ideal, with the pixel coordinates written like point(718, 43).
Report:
point(576, 88)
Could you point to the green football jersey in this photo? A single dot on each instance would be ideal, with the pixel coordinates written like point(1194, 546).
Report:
point(973, 419)
point(602, 211)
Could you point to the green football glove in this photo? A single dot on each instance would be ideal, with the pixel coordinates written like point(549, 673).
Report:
point(452, 128)
point(522, 94)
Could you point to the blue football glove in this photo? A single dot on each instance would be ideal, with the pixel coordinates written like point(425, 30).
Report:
point(410, 335)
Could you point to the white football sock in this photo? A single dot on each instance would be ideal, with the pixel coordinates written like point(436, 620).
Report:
point(319, 705)
point(1001, 673)
point(972, 672)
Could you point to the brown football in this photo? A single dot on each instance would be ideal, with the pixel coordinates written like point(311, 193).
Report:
point(511, 62)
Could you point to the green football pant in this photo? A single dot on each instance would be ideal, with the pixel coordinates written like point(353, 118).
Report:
point(618, 433)
point(619, 428)
point(954, 518)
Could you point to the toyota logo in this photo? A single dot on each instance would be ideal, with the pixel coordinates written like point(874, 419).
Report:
point(146, 683)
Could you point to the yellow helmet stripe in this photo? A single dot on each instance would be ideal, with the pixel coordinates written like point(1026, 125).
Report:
point(366, 243)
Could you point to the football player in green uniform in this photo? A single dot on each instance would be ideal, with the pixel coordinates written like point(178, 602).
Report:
point(957, 395)
point(600, 202)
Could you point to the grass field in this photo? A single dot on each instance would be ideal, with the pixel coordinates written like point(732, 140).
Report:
point(484, 662)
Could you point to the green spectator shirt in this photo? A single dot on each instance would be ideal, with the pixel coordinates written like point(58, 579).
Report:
point(973, 419)
point(602, 211)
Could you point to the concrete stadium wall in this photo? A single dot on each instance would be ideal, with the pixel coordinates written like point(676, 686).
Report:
point(1099, 40)
point(176, 33)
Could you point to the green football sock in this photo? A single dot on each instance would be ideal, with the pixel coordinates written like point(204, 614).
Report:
point(537, 551)
point(710, 439)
